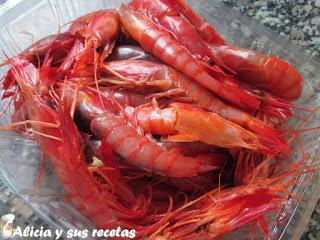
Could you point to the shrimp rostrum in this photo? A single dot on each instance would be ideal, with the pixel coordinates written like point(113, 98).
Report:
point(153, 122)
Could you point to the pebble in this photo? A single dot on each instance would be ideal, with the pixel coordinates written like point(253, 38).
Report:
point(316, 20)
point(317, 3)
point(308, 8)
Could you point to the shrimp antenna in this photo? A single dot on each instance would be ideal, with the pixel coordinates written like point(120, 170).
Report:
point(33, 46)
point(58, 13)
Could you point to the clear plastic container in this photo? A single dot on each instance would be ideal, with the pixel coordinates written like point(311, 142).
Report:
point(25, 21)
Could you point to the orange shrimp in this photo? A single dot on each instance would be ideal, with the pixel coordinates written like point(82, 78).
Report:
point(162, 45)
point(140, 70)
point(186, 123)
point(110, 126)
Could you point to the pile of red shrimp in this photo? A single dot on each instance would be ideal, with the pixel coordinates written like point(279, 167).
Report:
point(154, 123)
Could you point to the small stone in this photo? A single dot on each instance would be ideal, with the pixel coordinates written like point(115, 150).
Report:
point(297, 34)
point(300, 24)
point(264, 8)
point(315, 40)
point(315, 11)
point(315, 20)
point(307, 29)
point(308, 8)
point(251, 13)
point(317, 3)
point(296, 10)
point(258, 3)
point(287, 30)
point(287, 21)
point(270, 3)
point(311, 237)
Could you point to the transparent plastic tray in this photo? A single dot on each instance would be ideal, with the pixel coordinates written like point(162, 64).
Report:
point(25, 21)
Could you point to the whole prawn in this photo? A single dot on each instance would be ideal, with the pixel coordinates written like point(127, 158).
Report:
point(109, 125)
point(133, 178)
point(266, 72)
point(186, 123)
point(162, 45)
point(218, 213)
point(59, 139)
point(166, 14)
point(141, 70)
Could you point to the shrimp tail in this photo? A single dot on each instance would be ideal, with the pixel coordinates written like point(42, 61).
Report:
point(208, 33)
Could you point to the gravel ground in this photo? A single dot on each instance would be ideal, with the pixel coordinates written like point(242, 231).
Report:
point(297, 20)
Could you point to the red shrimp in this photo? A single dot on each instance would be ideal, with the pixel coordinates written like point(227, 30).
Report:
point(266, 72)
point(218, 213)
point(125, 97)
point(162, 45)
point(185, 123)
point(207, 32)
point(250, 67)
point(101, 27)
point(56, 46)
point(109, 125)
point(59, 139)
point(165, 14)
point(140, 70)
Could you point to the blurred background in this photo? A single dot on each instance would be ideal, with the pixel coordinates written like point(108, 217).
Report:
point(298, 21)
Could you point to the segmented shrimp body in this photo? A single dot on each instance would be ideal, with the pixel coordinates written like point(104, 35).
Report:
point(207, 32)
point(167, 15)
point(135, 148)
point(187, 150)
point(141, 69)
point(224, 211)
point(162, 45)
point(59, 139)
point(266, 72)
point(184, 123)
